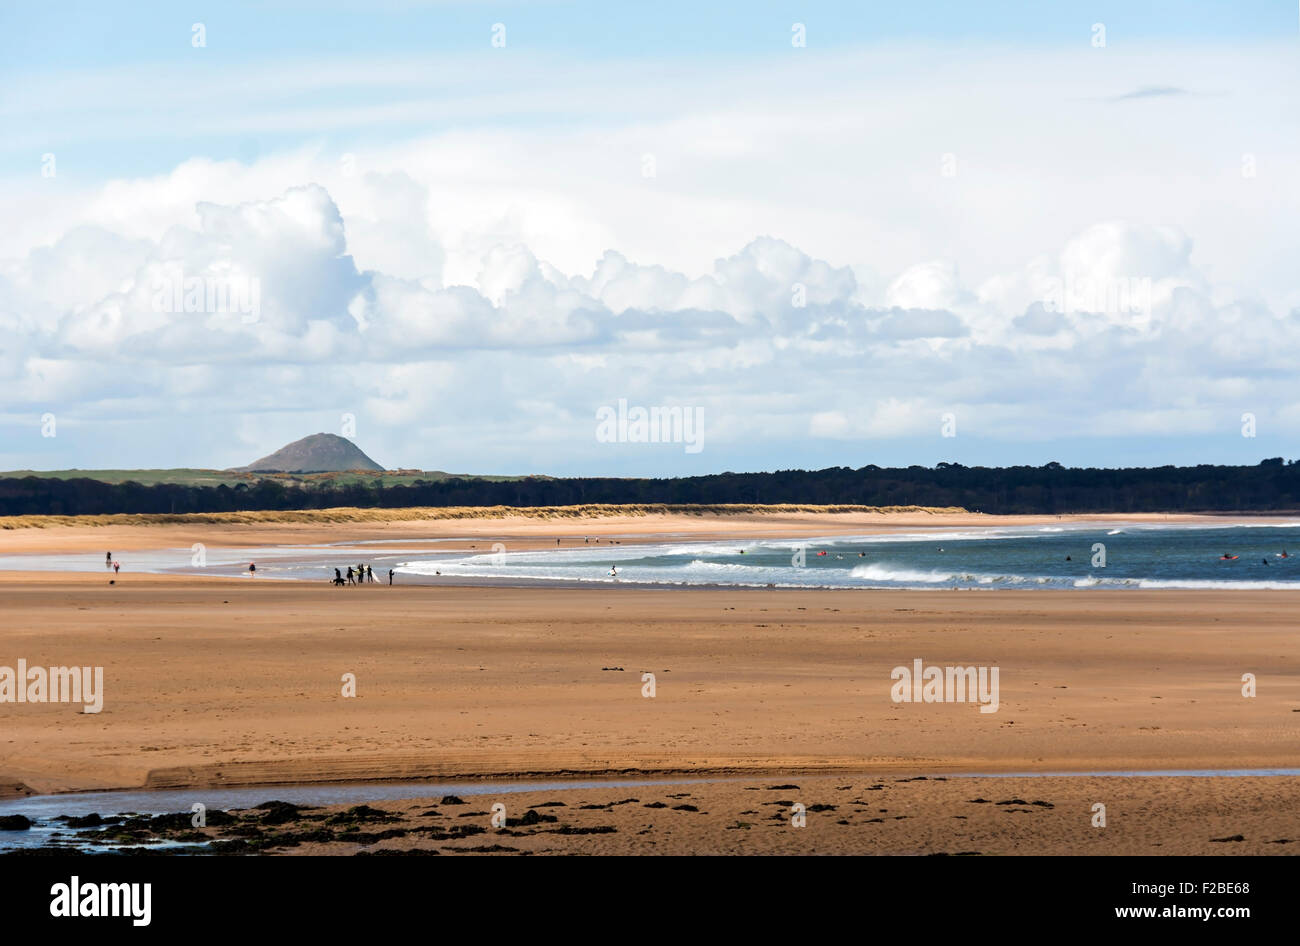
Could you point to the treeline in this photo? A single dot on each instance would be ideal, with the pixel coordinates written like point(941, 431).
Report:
point(1273, 485)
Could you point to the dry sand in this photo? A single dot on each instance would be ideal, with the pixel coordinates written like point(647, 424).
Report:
point(215, 682)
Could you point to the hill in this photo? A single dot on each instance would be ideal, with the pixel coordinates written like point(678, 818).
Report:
point(319, 453)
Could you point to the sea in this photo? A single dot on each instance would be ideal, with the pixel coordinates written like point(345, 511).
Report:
point(1072, 555)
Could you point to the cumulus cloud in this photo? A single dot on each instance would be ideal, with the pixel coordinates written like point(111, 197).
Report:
point(508, 369)
point(932, 285)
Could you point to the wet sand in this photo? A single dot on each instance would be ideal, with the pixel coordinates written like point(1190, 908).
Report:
point(848, 814)
point(860, 815)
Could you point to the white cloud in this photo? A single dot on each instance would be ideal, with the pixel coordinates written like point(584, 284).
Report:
point(526, 353)
point(798, 265)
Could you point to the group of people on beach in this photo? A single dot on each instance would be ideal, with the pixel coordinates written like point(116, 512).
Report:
point(362, 574)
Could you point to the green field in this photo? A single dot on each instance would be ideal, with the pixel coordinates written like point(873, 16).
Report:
point(187, 477)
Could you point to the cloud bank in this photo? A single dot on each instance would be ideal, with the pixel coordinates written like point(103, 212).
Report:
point(826, 256)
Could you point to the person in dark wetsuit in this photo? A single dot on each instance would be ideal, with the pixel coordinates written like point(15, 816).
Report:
point(108, 560)
point(390, 576)
point(351, 580)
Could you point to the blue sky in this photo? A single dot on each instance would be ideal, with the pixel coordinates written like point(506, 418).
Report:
point(40, 37)
point(1082, 252)
point(60, 41)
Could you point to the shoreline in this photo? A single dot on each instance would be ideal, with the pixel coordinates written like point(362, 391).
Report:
point(679, 774)
point(844, 815)
point(307, 553)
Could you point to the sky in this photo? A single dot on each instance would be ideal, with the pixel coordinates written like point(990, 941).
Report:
point(832, 234)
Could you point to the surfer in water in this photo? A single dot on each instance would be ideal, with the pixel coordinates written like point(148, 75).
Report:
point(1225, 557)
point(613, 571)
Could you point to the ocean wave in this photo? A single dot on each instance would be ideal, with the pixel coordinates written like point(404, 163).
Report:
point(895, 574)
point(1210, 584)
point(701, 565)
point(891, 573)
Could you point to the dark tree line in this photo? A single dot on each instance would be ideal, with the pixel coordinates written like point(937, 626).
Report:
point(1271, 486)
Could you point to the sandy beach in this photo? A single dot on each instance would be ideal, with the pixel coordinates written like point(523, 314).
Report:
point(23, 535)
point(219, 682)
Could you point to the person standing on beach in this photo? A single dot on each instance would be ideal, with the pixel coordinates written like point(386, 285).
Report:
point(252, 569)
point(117, 567)
point(108, 560)
point(370, 574)
point(351, 580)
point(390, 576)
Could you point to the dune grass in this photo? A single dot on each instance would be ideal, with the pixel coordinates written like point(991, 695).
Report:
point(416, 513)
